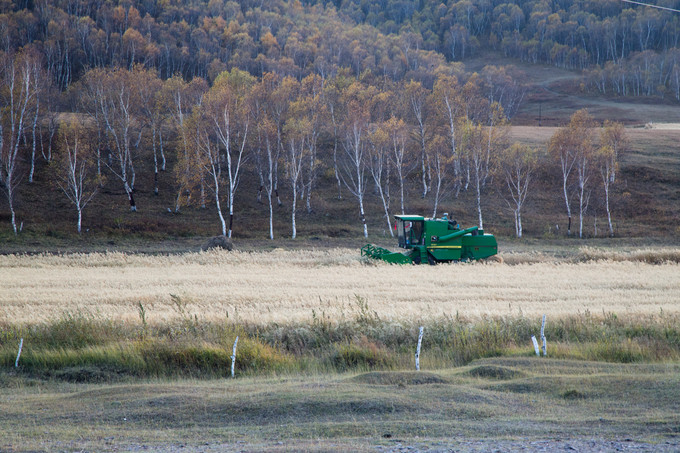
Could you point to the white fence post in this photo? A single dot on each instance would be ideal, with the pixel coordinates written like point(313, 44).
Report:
point(233, 357)
point(533, 339)
point(420, 341)
point(21, 345)
point(545, 349)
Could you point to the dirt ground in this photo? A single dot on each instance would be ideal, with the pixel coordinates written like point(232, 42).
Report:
point(462, 446)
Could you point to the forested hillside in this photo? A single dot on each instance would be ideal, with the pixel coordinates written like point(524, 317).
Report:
point(628, 49)
point(337, 111)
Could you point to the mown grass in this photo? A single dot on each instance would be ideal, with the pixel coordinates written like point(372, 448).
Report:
point(86, 347)
point(480, 407)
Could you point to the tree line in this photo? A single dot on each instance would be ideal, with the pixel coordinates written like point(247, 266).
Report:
point(377, 136)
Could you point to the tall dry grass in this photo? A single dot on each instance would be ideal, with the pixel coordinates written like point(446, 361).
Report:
point(288, 286)
point(85, 348)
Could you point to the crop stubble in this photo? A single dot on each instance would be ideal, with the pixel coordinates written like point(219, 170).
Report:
point(286, 286)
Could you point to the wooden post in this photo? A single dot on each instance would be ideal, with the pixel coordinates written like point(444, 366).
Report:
point(420, 341)
point(233, 357)
point(21, 345)
point(543, 337)
point(533, 339)
point(545, 353)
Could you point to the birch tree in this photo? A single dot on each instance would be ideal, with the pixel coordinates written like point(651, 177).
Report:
point(416, 96)
point(312, 102)
point(613, 141)
point(606, 164)
point(482, 144)
point(282, 95)
point(475, 152)
point(398, 137)
point(585, 163)
point(207, 165)
point(17, 96)
point(449, 105)
point(571, 146)
point(115, 97)
point(267, 150)
point(378, 163)
point(440, 160)
point(89, 92)
point(151, 108)
point(517, 165)
point(614, 135)
point(40, 82)
point(297, 131)
point(561, 149)
point(228, 112)
point(181, 97)
point(76, 167)
point(357, 99)
point(331, 96)
point(582, 125)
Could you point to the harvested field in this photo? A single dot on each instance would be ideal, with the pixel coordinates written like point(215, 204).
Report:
point(546, 405)
point(287, 286)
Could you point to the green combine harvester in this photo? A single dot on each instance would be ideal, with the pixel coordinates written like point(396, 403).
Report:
point(434, 241)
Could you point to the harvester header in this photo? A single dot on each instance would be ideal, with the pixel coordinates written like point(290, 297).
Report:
point(434, 240)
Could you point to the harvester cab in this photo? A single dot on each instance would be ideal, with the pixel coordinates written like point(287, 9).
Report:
point(434, 240)
point(409, 231)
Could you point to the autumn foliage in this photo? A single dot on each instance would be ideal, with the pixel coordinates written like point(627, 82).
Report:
point(222, 92)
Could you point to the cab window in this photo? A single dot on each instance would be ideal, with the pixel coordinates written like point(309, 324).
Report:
point(409, 232)
point(400, 232)
point(416, 233)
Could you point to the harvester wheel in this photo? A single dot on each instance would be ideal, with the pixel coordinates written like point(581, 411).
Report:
point(416, 259)
point(431, 260)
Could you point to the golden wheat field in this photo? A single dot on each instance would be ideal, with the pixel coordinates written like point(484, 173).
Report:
point(287, 286)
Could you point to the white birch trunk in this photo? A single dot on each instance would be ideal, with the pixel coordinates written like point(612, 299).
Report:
point(11, 210)
point(160, 143)
point(607, 179)
point(422, 161)
point(292, 219)
point(271, 216)
point(335, 155)
point(270, 189)
point(519, 222)
point(35, 122)
point(363, 215)
point(479, 198)
point(155, 159)
point(580, 213)
point(609, 215)
point(401, 191)
point(387, 210)
point(566, 201)
point(216, 180)
point(231, 213)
